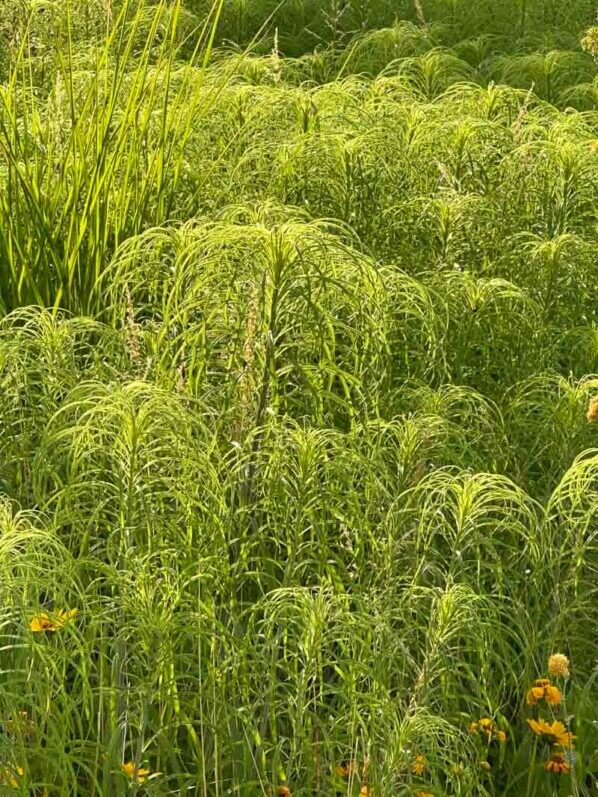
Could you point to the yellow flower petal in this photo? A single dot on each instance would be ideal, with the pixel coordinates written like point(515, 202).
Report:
point(45, 622)
point(556, 732)
point(131, 772)
point(41, 622)
point(346, 770)
point(534, 694)
point(552, 695)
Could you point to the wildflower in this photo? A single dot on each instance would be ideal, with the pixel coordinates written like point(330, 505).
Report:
point(555, 732)
point(10, 777)
point(134, 773)
point(592, 413)
point(20, 725)
point(46, 622)
point(423, 794)
point(543, 690)
point(557, 764)
point(283, 791)
point(364, 791)
point(485, 765)
point(558, 663)
point(419, 765)
point(488, 727)
point(589, 41)
point(346, 769)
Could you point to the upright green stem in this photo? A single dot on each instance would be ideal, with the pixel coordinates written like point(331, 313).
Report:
point(531, 779)
point(574, 784)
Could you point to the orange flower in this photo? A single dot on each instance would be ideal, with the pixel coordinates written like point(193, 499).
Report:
point(555, 732)
point(283, 791)
point(543, 690)
point(46, 622)
point(134, 773)
point(419, 765)
point(552, 696)
point(557, 764)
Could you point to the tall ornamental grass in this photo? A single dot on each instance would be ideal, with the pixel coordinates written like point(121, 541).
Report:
point(298, 399)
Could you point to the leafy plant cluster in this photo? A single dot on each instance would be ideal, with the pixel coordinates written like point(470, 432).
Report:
point(298, 398)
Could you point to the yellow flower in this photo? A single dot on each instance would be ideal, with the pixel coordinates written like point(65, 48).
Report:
point(346, 769)
point(592, 415)
point(45, 622)
point(283, 791)
point(489, 727)
point(543, 690)
point(41, 623)
point(555, 731)
point(10, 777)
point(485, 765)
point(419, 765)
point(557, 764)
point(423, 794)
point(138, 775)
point(364, 791)
point(558, 663)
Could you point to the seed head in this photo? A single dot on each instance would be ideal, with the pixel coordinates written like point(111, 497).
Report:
point(592, 414)
point(589, 41)
point(558, 665)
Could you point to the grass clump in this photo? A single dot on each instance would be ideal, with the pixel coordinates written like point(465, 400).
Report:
point(298, 369)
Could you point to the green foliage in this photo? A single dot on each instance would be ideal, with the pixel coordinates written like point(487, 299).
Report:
point(298, 391)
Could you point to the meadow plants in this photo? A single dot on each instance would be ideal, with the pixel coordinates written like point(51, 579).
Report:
point(299, 398)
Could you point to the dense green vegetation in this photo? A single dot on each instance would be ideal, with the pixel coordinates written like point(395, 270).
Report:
point(298, 350)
